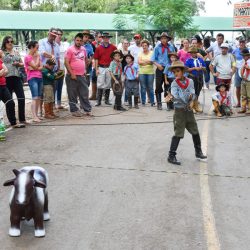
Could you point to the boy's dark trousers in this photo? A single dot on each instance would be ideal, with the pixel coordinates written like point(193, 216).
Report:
point(159, 80)
point(198, 83)
point(5, 96)
point(167, 89)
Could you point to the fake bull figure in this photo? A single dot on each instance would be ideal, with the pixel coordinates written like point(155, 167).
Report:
point(28, 199)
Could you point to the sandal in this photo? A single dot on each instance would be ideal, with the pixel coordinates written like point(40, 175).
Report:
point(19, 125)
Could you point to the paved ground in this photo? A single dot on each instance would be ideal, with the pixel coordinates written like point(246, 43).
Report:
point(111, 187)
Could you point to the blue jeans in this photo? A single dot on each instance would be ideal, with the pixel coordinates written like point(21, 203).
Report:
point(147, 82)
point(58, 91)
point(207, 73)
point(36, 87)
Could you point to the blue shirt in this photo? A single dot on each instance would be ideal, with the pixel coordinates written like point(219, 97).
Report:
point(190, 63)
point(45, 46)
point(131, 71)
point(89, 49)
point(168, 73)
point(162, 58)
point(181, 96)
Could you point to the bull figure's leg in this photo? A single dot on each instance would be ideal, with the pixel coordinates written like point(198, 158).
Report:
point(15, 219)
point(38, 222)
point(46, 215)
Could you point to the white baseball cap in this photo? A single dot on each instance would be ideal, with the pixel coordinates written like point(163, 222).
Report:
point(224, 45)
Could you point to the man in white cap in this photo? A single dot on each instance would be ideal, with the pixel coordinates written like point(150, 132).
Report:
point(225, 66)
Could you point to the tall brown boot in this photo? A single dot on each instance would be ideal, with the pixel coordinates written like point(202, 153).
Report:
point(216, 109)
point(94, 90)
point(197, 107)
point(47, 114)
point(52, 111)
point(243, 106)
point(248, 112)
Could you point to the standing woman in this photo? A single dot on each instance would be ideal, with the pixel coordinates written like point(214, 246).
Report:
point(183, 53)
point(12, 60)
point(207, 59)
point(33, 67)
point(146, 72)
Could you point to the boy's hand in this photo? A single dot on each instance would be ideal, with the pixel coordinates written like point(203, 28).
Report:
point(190, 98)
point(73, 77)
point(167, 83)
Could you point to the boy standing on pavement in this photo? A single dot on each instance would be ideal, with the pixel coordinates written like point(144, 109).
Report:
point(183, 94)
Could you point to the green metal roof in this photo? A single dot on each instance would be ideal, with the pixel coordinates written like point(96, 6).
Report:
point(34, 20)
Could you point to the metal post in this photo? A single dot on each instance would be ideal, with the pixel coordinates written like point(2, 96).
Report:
point(116, 38)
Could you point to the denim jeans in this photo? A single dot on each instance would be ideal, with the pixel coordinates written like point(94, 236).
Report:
point(36, 87)
point(207, 73)
point(147, 82)
point(58, 91)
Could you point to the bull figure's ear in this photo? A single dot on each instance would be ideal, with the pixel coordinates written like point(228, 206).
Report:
point(40, 184)
point(16, 172)
point(9, 182)
point(31, 172)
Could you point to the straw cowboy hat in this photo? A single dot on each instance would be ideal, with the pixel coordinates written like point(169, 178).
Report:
point(173, 54)
point(177, 64)
point(193, 49)
point(116, 52)
point(165, 34)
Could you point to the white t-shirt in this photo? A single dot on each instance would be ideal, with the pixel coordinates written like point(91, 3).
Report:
point(135, 50)
point(246, 72)
point(224, 64)
point(63, 47)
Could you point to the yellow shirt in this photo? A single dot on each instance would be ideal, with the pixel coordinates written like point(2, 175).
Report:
point(146, 69)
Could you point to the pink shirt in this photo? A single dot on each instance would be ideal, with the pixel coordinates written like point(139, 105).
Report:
point(76, 57)
point(183, 55)
point(31, 73)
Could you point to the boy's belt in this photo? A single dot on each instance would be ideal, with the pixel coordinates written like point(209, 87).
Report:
point(103, 66)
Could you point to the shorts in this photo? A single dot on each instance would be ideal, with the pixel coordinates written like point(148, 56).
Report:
point(48, 94)
point(36, 87)
point(237, 79)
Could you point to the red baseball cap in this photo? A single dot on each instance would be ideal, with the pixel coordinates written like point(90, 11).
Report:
point(137, 36)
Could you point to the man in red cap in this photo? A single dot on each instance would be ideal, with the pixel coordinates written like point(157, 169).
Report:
point(136, 48)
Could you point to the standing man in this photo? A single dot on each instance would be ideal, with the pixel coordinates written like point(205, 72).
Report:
point(225, 66)
point(160, 59)
point(76, 61)
point(103, 59)
point(216, 46)
point(239, 63)
point(90, 52)
point(59, 83)
point(136, 48)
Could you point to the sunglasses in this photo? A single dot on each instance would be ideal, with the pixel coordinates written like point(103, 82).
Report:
point(10, 41)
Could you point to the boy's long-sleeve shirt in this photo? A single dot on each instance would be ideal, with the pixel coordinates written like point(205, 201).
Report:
point(48, 77)
point(182, 93)
point(131, 71)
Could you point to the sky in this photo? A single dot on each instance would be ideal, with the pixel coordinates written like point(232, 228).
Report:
point(218, 8)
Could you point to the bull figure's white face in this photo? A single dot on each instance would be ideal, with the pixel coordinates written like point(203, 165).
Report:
point(24, 184)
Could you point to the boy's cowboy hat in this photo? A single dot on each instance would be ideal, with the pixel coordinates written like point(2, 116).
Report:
point(220, 85)
point(193, 49)
point(245, 52)
point(129, 55)
point(116, 52)
point(173, 54)
point(177, 64)
point(165, 34)
point(106, 34)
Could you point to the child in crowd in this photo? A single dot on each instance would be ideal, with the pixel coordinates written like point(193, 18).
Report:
point(245, 84)
point(169, 78)
point(49, 78)
point(183, 94)
point(222, 100)
point(115, 70)
point(131, 72)
point(196, 66)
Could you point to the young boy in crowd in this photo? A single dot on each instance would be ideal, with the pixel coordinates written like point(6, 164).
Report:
point(169, 78)
point(196, 66)
point(49, 78)
point(131, 72)
point(222, 100)
point(183, 94)
point(115, 70)
point(245, 84)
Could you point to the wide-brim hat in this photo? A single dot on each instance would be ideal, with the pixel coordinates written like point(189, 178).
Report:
point(165, 34)
point(245, 52)
point(173, 54)
point(177, 64)
point(106, 34)
point(129, 55)
point(220, 85)
point(116, 52)
point(225, 45)
point(193, 49)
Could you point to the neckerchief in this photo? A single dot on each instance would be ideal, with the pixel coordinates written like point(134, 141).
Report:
point(118, 68)
point(245, 70)
point(102, 44)
point(163, 47)
point(132, 70)
point(223, 98)
point(181, 85)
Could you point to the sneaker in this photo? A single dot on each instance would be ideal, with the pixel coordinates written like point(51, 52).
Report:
point(77, 114)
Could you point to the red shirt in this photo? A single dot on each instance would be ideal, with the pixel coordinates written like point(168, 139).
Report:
point(102, 54)
point(2, 78)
